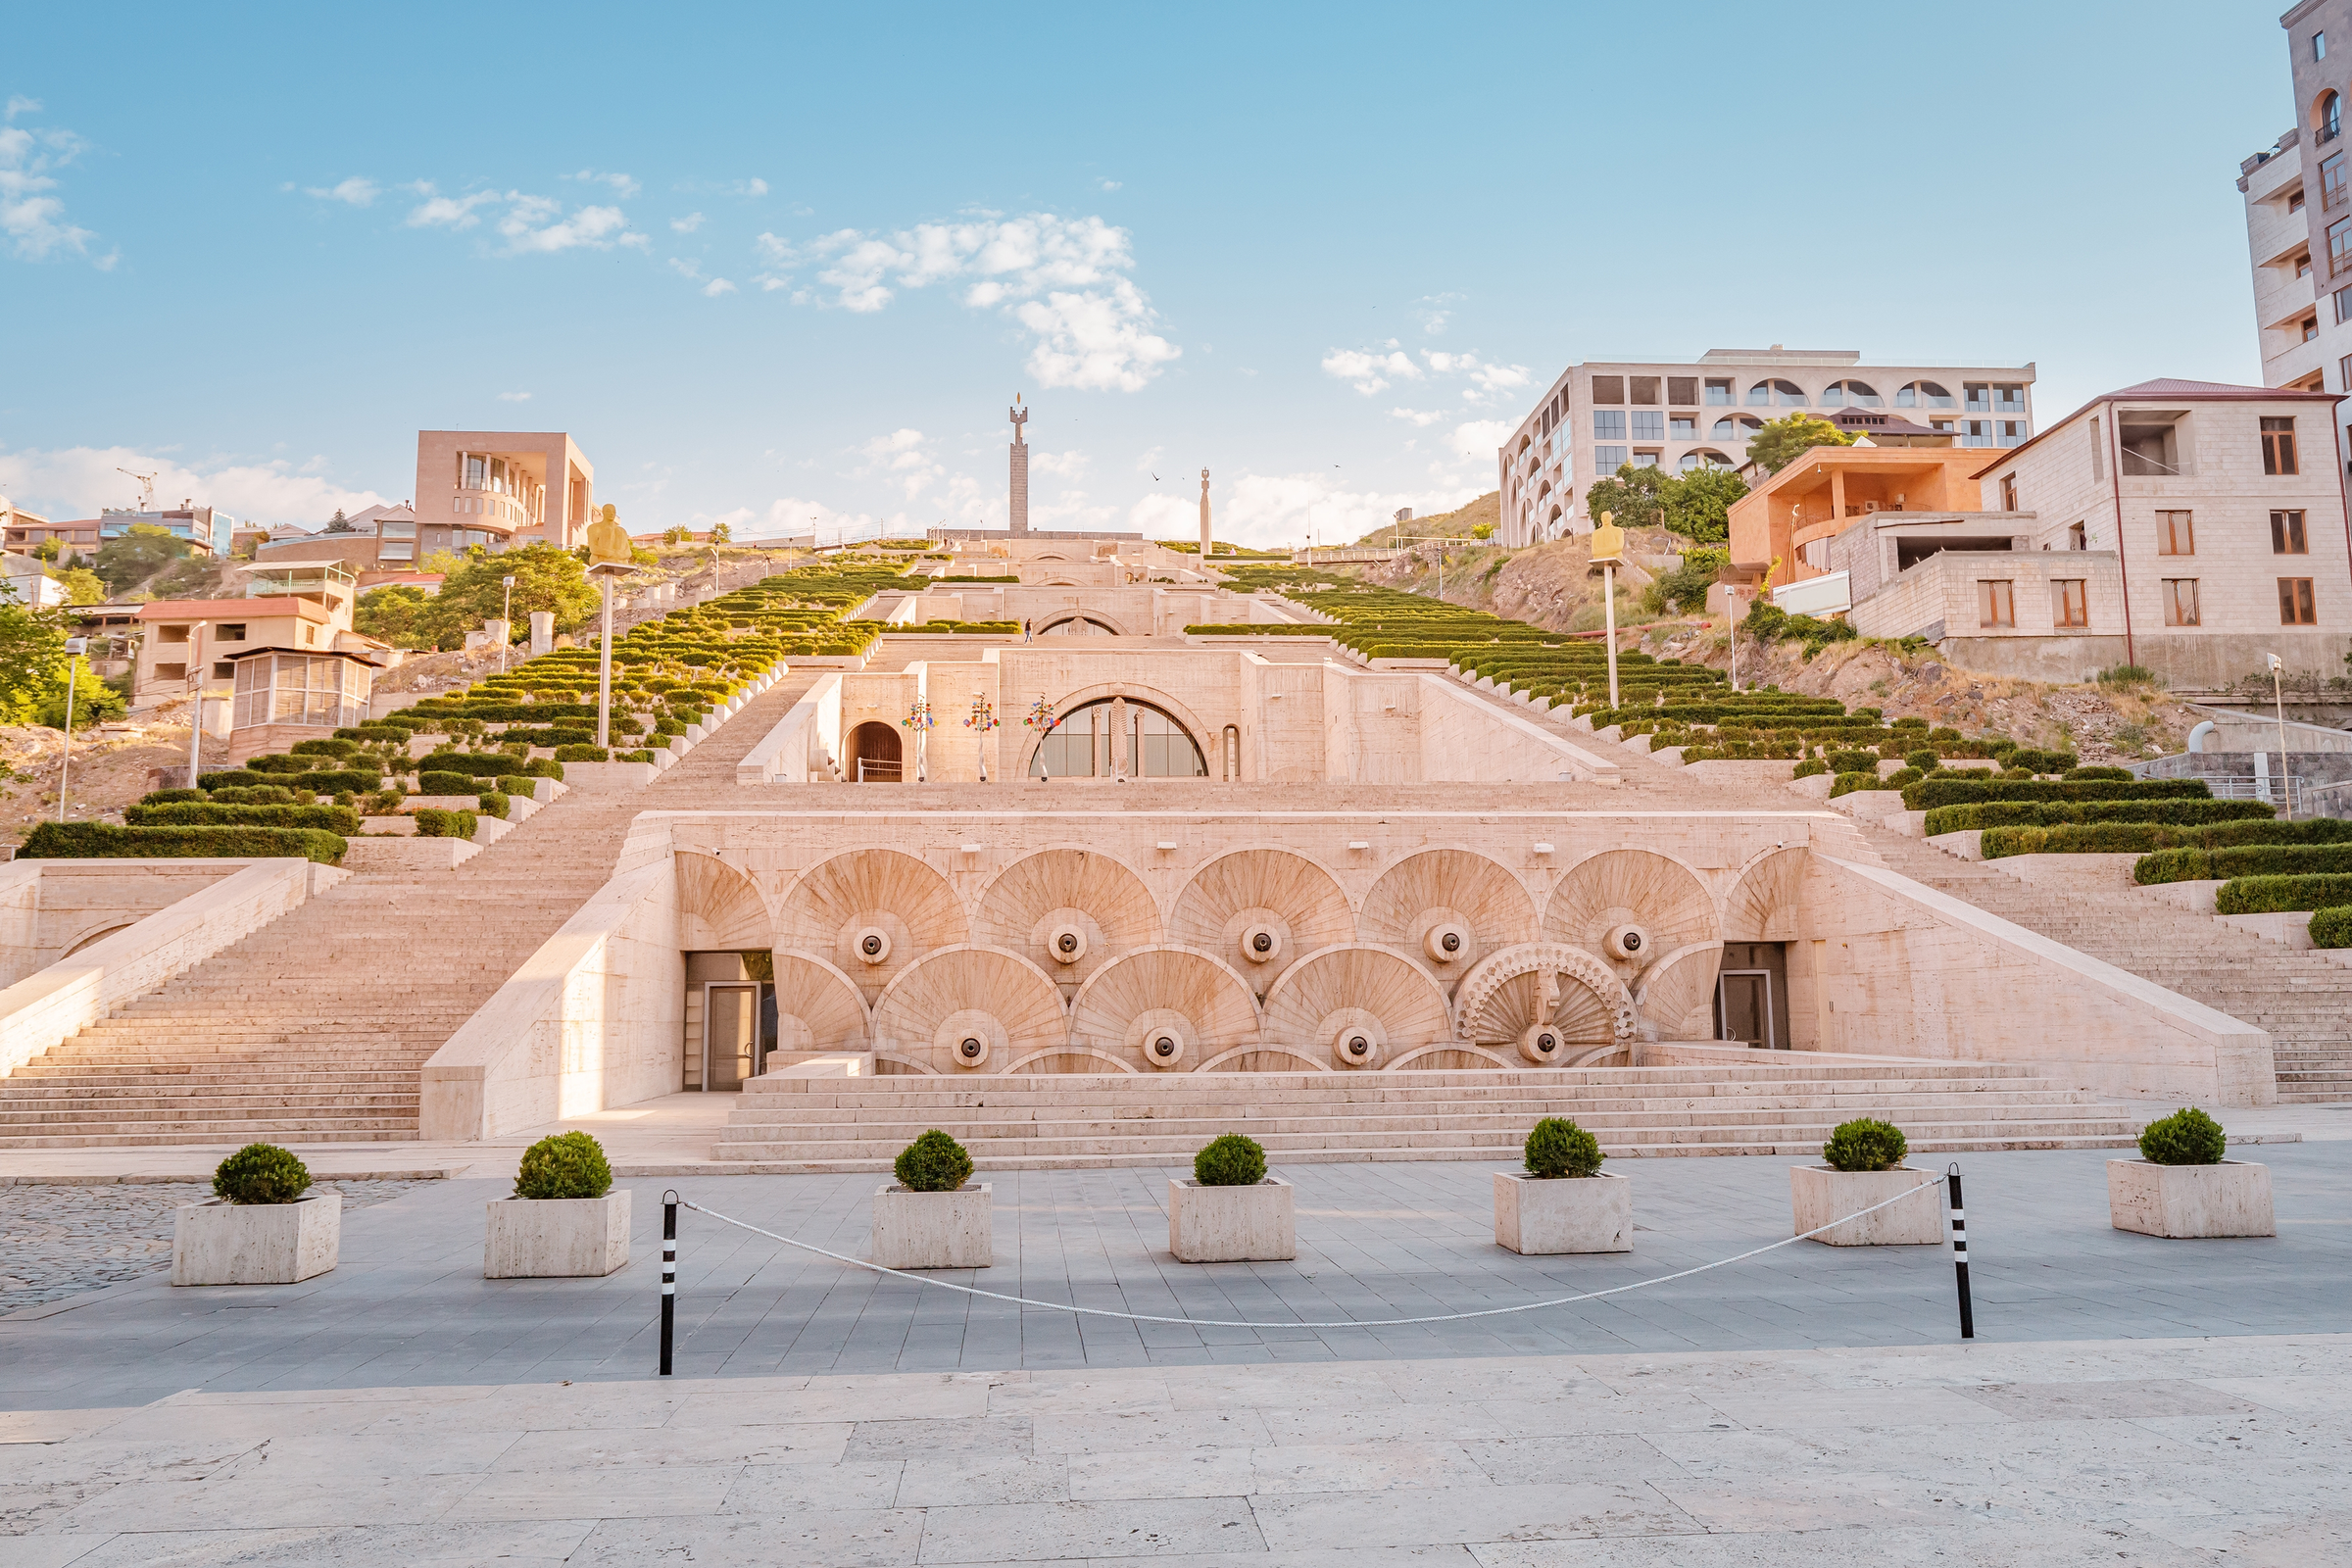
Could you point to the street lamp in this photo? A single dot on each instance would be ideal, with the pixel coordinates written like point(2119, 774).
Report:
point(505, 619)
point(1608, 548)
point(195, 701)
point(75, 647)
point(2278, 698)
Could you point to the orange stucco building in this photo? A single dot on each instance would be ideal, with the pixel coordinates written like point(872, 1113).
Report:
point(1831, 489)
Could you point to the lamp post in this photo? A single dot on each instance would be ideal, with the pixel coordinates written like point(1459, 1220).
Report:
point(2278, 698)
point(1608, 548)
point(195, 701)
point(505, 619)
point(75, 647)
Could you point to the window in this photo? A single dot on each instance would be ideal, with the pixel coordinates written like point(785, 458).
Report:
point(2332, 118)
point(2311, 327)
point(2331, 182)
point(2339, 247)
point(2175, 533)
point(1648, 459)
point(1996, 604)
point(1608, 389)
point(2009, 400)
point(2295, 606)
point(1719, 394)
point(2011, 433)
point(2278, 443)
point(2343, 373)
point(1608, 425)
point(1682, 427)
point(1852, 394)
point(1975, 432)
point(2295, 202)
point(1080, 745)
point(2078, 536)
point(171, 634)
point(1650, 425)
point(233, 631)
point(1607, 461)
point(2319, 46)
point(1760, 395)
point(2008, 492)
point(1923, 395)
point(1682, 391)
point(1645, 389)
point(2181, 602)
point(2303, 264)
point(2287, 535)
point(1979, 397)
point(2068, 605)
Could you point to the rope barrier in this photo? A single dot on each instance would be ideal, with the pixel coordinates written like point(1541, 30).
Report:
point(1344, 1323)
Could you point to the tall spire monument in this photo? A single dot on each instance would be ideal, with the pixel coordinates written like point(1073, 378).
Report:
point(1020, 469)
point(1204, 542)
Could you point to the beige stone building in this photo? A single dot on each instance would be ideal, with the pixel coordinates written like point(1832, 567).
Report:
point(1596, 416)
point(497, 488)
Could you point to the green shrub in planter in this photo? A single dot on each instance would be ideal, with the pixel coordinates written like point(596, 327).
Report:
point(933, 1163)
point(260, 1173)
point(1865, 1144)
point(565, 1165)
point(2185, 1138)
point(2332, 927)
point(1925, 760)
point(2276, 895)
point(324, 746)
point(1810, 767)
point(2121, 774)
point(432, 823)
point(544, 768)
point(515, 784)
point(1232, 1160)
point(1848, 782)
point(579, 753)
point(1557, 1146)
point(492, 805)
point(1854, 762)
point(446, 784)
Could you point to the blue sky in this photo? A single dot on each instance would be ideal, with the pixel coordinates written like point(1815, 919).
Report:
point(775, 264)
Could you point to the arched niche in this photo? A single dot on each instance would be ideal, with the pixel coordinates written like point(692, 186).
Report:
point(719, 908)
point(1248, 893)
point(1340, 990)
point(1617, 889)
point(1428, 896)
point(836, 904)
point(1118, 737)
point(1065, 893)
point(1187, 997)
point(1544, 983)
point(1070, 702)
point(1765, 903)
point(818, 1006)
point(984, 994)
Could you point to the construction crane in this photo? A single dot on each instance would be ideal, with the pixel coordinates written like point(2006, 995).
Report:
point(146, 489)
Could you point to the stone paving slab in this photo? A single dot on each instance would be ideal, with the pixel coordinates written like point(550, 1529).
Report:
point(2194, 1452)
point(408, 1306)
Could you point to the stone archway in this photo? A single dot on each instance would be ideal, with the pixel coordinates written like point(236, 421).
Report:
point(873, 755)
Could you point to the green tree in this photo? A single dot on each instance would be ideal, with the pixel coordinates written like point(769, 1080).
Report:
point(1700, 504)
point(1635, 498)
point(395, 614)
point(136, 555)
point(1784, 441)
point(1686, 587)
point(32, 656)
point(721, 534)
point(338, 523)
point(674, 534)
point(94, 700)
point(47, 549)
point(82, 586)
point(545, 578)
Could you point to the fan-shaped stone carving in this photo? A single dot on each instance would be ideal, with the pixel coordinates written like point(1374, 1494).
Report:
point(1027, 902)
point(1447, 892)
point(818, 1006)
point(1763, 905)
point(1287, 897)
point(1327, 989)
point(1620, 888)
point(954, 982)
point(1677, 995)
point(1543, 982)
point(1208, 1005)
point(882, 891)
point(720, 908)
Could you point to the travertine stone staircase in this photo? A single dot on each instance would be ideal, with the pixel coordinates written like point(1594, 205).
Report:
point(1081, 1121)
point(314, 1029)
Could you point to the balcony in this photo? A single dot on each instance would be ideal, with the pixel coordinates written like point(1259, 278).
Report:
point(322, 581)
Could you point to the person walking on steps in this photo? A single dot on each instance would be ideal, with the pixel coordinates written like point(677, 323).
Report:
point(1024, 631)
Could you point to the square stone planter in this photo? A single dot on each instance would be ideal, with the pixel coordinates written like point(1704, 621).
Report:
point(2231, 1199)
point(1232, 1224)
point(1537, 1217)
point(556, 1237)
point(934, 1230)
point(1820, 1194)
point(213, 1242)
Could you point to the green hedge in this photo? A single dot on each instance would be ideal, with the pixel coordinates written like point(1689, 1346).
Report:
point(331, 819)
point(494, 804)
point(2242, 860)
point(2332, 927)
point(2274, 895)
point(579, 753)
point(481, 764)
point(2057, 813)
point(79, 840)
point(1930, 792)
point(439, 824)
point(2150, 840)
point(448, 784)
point(323, 781)
point(1848, 783)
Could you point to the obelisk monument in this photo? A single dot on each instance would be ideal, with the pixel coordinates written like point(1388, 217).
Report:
point(1020, 469)
point(1204, 541)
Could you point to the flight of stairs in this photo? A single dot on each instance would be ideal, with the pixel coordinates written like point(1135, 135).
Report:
point(1092, 1121)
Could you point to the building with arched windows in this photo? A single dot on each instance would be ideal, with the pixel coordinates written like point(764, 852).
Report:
point(1597, 418)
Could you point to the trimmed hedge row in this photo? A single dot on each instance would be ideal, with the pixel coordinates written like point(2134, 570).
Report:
point(2058, 814)
point(432, 823)
point(330, 818)
point(323, 781)
point(481, 764)
point(1930, 793)
point(2242, 860)
point(2280, 894)
point(86, 841)
point(2148, 838)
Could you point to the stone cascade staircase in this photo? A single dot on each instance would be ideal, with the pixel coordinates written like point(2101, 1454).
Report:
point(1088, 1121)
point(2303, 998)
point(315, 1028)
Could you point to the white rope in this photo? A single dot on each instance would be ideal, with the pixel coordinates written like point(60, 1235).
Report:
point(1242, 1323)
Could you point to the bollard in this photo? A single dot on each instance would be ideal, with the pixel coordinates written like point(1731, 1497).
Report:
point(1967, 1316)
point(669, 1273)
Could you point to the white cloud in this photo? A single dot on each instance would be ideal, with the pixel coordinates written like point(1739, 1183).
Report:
point(687, 225)
point(901, 460)
point(1481, 438)
point(1061, 464)
point(1063, 279)
point(685, 268)
point(529, 225)
point(622, 185)
point(1369, 372)
point(1435, 311)
point(514, 396)
point(1270, 510)
point(769, 282)
point(437, 210)
point(749, 188)
point(76, 481)
point(358, 191)
point(1108, 184)
point(1422, 417)
point(716, 287)
point(1485, 378)
point(32, 221)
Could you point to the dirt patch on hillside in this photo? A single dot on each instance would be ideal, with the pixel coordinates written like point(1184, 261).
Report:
point(113, 766)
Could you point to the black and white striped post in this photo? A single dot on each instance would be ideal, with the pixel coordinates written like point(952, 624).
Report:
point(669, 1273)
point(1968, 1315)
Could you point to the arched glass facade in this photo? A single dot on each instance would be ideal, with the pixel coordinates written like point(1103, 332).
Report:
point(1080, 745)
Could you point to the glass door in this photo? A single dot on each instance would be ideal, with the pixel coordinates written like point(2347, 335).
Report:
point(730, 1034)
point(1743, 1008)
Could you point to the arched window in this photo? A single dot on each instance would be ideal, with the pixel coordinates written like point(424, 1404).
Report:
point(1923, 395)
point(1852, 395)
point(1759, 396)
point(1787, 394)
point(2329, 117)
point(1741, 430)
point(1078, 626)
point(1080, 745)
point(1703, 459)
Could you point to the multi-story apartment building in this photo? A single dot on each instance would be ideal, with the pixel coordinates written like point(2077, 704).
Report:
point(499, 488)
point(1597, 418)
point(202, 527)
